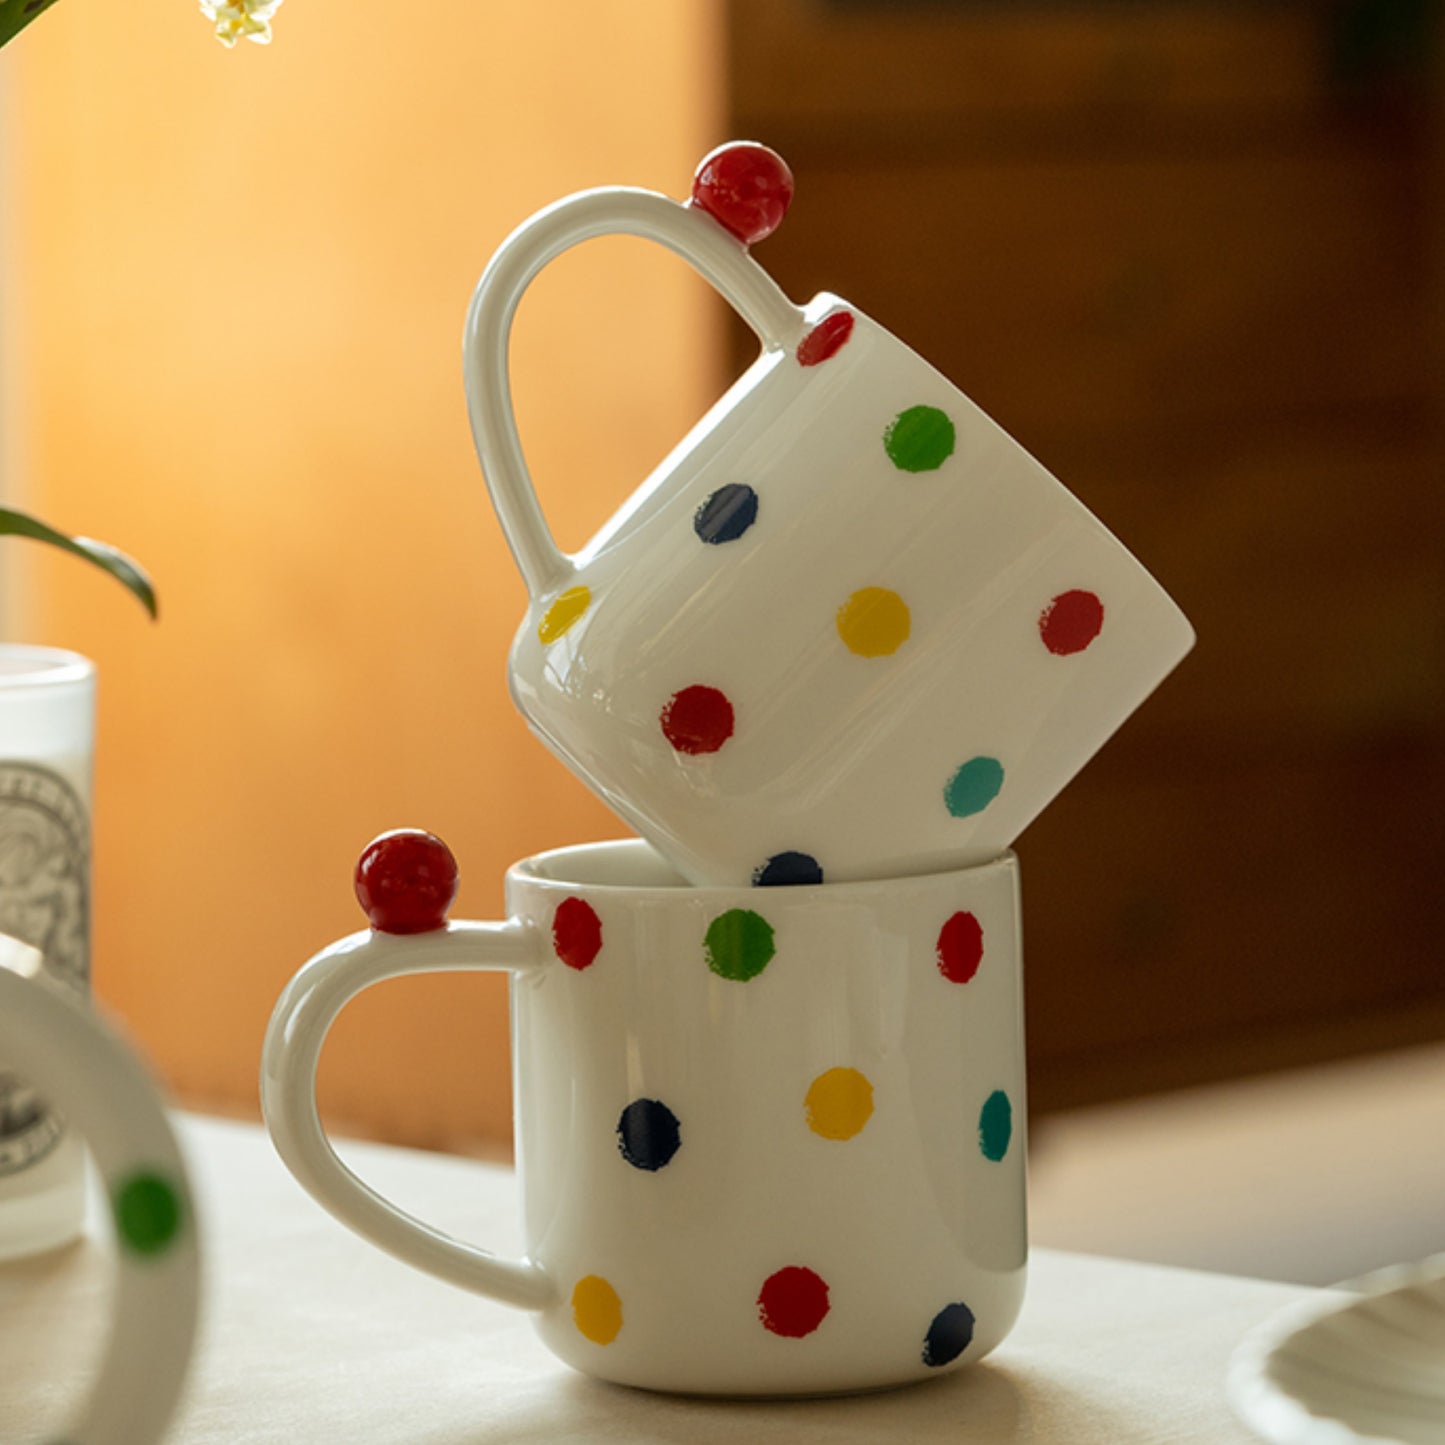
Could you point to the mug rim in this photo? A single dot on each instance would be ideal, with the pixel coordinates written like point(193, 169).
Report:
point(533, 872)
point(27, 666)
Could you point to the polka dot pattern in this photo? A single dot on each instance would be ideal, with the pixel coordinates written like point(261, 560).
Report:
point(793, 1302)
point(874, 622)
point(839, 1103)
point(960, 947)
point(948, 1336)
point(697, 720)
point(919, 439)
point(995, 1126)
point(786, 870)
point(739, 944)
point(973, 787)
point(1071, 622)
point(148, 1213)
point(726, 514)
point(648, 1134)
point(596, 1309)
point(826, 339)
point(576, 933)
point(838, 1106)
point(563, 613)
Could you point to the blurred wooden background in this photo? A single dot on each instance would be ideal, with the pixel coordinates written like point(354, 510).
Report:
point(1190, 254)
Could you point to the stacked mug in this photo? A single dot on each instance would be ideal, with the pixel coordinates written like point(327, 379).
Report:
point(828, 661)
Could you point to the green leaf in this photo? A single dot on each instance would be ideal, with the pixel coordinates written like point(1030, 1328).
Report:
point(126, 570)
point(15, 15)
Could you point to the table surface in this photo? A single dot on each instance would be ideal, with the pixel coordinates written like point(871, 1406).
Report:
point(311, 1334)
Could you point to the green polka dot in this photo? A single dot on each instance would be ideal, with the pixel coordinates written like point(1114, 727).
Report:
point(147, 1213)
point(919, 440)
point(739, 944)
point(995, 1126)
point(973, 787)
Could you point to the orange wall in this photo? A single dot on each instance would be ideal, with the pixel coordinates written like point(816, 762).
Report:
point(234, 350)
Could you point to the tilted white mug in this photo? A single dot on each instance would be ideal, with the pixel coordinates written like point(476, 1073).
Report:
point(768, 1143)
point(847, 629)
point(107, 1098)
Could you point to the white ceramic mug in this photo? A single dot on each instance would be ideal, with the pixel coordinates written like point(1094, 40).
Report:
point(107, 1098)
point(47, 735)
point(847, 629)
point(768, 1143)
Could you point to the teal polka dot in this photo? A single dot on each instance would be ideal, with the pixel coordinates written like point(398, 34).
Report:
point(973, 787)
point(995, 1126)
point(920, 439)
point(739, 944)
point(147, 1213)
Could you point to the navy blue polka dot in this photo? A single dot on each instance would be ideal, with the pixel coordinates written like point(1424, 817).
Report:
point(727, 514)
point(949, 1335)
point(783, 870)
point(648, 1134)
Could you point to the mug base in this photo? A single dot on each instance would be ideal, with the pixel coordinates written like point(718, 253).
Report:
point(764, 1397)
point(850, 1371)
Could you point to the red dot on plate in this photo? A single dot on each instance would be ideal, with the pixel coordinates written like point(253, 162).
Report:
point(1071, 622)
point(697, 720)
point(960, 948)
point(576, 933)
point(405, 881)
point(825, 339)
point(792, 1302)
point(745, 187)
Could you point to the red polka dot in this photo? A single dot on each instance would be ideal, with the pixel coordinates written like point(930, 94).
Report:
point(1071, 622)
point(576, 933)
point(792, 1302)
point(698, 720)
point(825, 339)
point(960, 948)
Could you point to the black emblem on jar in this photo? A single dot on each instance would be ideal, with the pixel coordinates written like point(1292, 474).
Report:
point(44, 904)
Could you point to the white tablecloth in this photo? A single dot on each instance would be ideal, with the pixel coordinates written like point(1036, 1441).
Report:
point(314, 1338)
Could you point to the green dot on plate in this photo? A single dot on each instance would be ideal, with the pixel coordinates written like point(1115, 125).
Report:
point(973, 787)
point(739, 944)
point(995, 1125)
point(147, 1212)
point(920, 439)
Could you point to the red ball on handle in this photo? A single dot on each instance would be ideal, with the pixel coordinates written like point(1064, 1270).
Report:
point(406, 880)
point(745, 187)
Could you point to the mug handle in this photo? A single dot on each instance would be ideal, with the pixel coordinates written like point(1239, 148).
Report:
point(302, 1018)
point(98, 1085)
point(711, 251)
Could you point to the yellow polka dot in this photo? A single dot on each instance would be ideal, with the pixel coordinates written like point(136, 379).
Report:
point(839, 1103)
point(597, 1309)
point(564, 612)
point(874, 622)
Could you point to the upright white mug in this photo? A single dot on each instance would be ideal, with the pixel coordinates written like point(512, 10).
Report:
point(768, 1144)
point(847, 629)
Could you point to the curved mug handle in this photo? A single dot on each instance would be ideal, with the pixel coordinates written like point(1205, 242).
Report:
point(713, 253)
point(103, 1091)
point(299, 1024)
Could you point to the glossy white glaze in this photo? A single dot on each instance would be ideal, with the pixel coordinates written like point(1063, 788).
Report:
point(911, 1207)
point(841, 756)
point(94, 1079)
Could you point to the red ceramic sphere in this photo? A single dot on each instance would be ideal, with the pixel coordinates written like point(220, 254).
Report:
point(745, 187)
point(406, 880)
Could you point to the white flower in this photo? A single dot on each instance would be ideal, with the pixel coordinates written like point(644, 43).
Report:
point(241, 19)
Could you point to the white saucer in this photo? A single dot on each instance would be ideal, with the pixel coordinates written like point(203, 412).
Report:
point(1361, 1369)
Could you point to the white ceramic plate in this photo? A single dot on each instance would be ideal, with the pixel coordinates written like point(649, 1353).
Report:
point(1366, 1368)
